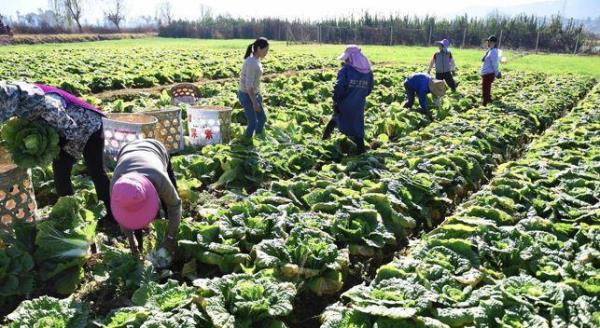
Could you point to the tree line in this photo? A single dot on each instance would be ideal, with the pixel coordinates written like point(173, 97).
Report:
point(67, 16)
point(555, 33)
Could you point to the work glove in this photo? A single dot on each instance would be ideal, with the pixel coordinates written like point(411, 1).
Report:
point(499, 75)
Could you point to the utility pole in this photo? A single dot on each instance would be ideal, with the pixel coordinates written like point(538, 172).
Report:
point(576, 44)
point(430, 31)
point(500, 39)
point(391, 34)
point(537, 40)
point(464, 37)
point(319, 33)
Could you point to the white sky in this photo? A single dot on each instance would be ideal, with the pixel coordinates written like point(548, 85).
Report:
point(311, 9)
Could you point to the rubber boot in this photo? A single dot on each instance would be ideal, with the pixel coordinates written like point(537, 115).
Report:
point(329, 129)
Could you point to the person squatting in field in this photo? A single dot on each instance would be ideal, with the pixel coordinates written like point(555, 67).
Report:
point(490, 69)
point(249, 90)
point(79, 125)
point(143, 179)
point(421, 84)
point(354, 83)
point(444, 64)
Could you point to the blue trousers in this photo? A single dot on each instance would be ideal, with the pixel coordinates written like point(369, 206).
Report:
point(256, 121)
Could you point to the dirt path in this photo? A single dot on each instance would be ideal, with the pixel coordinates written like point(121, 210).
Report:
point(112, 94)
point(108, 95)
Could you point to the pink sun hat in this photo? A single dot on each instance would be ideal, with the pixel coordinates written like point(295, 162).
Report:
point(134, 201)
point(357, 59)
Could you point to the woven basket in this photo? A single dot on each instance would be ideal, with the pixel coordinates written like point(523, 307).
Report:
point(17, 198)
point(121, 129)
point(169, 128)
point(209, 125)
point(184, 93)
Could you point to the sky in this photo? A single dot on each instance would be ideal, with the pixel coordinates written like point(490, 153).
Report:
point(306, 9)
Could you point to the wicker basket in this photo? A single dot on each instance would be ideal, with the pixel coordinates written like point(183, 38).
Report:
point(120, 129)
point(17, 198)
point(209, 125)
point(184, 93)
point(169, 129)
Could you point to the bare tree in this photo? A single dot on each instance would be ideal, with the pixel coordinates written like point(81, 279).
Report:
point(75, 10)
point(164, 13)
point(4, 29)
point(61, 15)
point(205, 11)
point(116, 12)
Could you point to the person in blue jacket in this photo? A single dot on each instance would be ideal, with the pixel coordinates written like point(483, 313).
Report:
point(354, 83)
point(421, 84)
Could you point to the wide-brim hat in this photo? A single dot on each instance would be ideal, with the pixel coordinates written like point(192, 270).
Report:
point(437, 87)
point(444, 43)
point(134, 201)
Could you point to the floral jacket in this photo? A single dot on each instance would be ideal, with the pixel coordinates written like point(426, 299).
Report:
point(74, 124)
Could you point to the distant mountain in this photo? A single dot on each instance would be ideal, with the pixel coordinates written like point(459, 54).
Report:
point(581, 9)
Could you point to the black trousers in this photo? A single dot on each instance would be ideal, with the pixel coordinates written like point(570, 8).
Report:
point(93, 156)
point(410, 95)
point(410, 101)
point(360, 142)
point(448, 78)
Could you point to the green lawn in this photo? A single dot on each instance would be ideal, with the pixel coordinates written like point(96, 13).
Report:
point(587, 65)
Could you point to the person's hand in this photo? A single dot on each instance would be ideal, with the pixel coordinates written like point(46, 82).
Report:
point(135, 252)
point(499, 75)
point(428, 72)
point(133, 245)
point(256, 107)
point(170, 245)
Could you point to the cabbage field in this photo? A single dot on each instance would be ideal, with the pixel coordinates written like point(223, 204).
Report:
point(485, 217)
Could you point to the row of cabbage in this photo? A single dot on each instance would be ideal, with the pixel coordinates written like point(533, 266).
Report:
point(522, 252)
point(306, 235)
point(290, 149)
point(97, 69)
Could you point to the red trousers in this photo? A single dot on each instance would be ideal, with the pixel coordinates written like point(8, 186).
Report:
point(486, 85)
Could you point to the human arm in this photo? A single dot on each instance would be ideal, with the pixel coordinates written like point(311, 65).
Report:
point(29, 102)
point(133, 243)
point(340, 88)
point(252, 77)
point(493, 60)
point(371, 83)
point(168, 195)
point(422, 94)
point(19, 99)
point(431, 63)
point(452, 63)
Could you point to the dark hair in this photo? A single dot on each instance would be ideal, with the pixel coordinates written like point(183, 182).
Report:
point(260, 43)
point(494, 39)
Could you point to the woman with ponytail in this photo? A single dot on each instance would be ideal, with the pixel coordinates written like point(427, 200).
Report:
point(249, 93)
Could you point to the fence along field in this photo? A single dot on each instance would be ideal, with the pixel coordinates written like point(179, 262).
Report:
point(309, 222)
